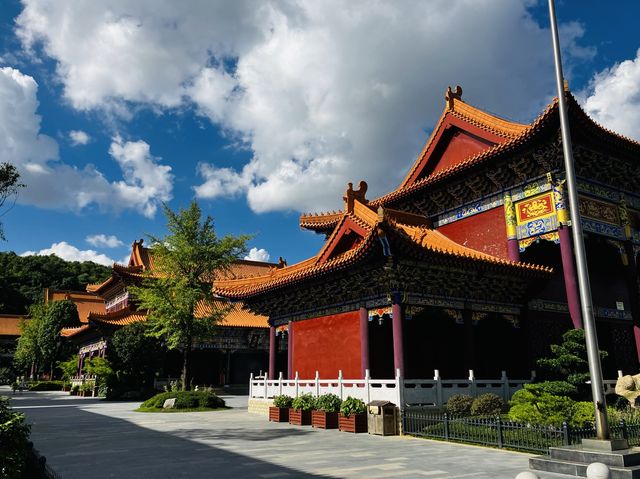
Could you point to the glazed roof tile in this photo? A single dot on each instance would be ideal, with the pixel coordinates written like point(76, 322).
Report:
point(515, 141)
point(237, 316)
point(10, 324)
point(70, 332)
point(415, 231)
point(122, 317)
point(320, 221)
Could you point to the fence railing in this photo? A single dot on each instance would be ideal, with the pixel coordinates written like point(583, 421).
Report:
point(497, 432)
point(80, 379)
point(431, 392)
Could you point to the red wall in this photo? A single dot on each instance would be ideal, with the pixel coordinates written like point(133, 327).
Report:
point(327, 344)
point(460, 147)
point(486, 232)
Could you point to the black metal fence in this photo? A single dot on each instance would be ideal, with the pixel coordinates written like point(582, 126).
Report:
point(37, 467)
point(496, 432)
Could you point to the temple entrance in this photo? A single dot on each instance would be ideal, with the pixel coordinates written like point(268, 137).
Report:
point(381, 348)
point(434, 339)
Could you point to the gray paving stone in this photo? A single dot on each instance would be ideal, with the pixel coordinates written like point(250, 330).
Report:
point(85, 437)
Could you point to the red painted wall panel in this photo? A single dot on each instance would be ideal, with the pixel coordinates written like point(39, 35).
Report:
point(327, 344)
point(461, 146)
point(486, 232)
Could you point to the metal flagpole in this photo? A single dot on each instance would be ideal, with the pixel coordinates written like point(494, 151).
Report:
point(593, 354)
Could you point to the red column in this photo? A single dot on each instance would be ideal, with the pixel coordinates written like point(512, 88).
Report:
point(570, 276)
point(364, 341)
point(398, 340)
point(272, 352)
point(513, 250)
point(290, 372)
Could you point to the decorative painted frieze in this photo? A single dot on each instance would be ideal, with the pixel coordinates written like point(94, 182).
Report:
point(563, 308)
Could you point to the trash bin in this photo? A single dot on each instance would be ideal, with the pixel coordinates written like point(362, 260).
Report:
point(382, 418)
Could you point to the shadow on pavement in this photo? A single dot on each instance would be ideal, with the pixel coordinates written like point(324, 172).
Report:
point(243, 434)
point(80, 444)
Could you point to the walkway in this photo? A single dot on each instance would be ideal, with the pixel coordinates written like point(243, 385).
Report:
point(91, 438)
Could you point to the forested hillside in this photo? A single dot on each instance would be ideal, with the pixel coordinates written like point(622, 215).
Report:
point(22, 279)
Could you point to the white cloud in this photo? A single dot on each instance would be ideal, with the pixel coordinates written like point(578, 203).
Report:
point(104, 241)
point(320, 92)
point(54, 184)
point(613, 97)
point(79, 137)
point(256, 254)
point(70, 253)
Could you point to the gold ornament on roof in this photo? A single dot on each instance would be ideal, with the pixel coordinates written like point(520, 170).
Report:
point(450, 95)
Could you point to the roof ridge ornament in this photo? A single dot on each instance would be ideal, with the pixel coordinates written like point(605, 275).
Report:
point(351, 195)
point(451, 95)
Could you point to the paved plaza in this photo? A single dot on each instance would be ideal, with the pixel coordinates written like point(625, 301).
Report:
point(85, 437)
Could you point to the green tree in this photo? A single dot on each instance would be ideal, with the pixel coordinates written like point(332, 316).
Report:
point(9, 186)
point(185, 263)
point(14, 434)
point(57, 315)
point(27, 355)
point(569, 362)
point(22, 279)
point(135, 356)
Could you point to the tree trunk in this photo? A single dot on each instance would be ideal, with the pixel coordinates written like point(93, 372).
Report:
point(186, 377)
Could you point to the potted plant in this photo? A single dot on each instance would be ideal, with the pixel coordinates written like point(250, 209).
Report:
point(86, 390)
point(300, 411)
point(353, 416)
point(325, 413)
point(279, 412)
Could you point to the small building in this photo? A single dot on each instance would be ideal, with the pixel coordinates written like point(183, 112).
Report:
point(468, 263)
point(9, 333)
point(239, 349)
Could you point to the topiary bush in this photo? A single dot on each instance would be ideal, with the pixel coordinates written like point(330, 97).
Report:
point(185, 400)
point(352, 406)
point(459, 405)
point(304, 402)
point(282, 401)
point(488, 404)
point(533, 406)
point(328, 403)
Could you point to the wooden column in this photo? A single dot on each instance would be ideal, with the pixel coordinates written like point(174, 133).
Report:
point(570, 276)
point(290, 372)
point(398, 339)
point(364, 341)
point(513, 249)
point(272, 352)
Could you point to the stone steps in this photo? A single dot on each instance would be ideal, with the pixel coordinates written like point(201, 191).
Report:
point(573, 461)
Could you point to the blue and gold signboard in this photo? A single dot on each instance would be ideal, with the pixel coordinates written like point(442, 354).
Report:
point(536, 216)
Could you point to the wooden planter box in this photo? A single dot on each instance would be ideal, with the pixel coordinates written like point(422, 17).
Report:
point(279, 414)
point(299, 418)
point(324, 420)
point(353, 423)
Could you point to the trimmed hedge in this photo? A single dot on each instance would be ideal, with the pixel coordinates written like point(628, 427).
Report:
point(185, 400)
point(46, 386)
point(488, 404)
point(459, 405)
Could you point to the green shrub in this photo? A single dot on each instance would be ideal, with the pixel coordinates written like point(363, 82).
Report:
point(459, 405)
point(75, 388)
point(555, 388)
point(185, 400)
point(352, 406)
point(488, 404)
point(328, 403)
point(282, 400)
point(46, 386)
point(533, 406)
point(7, 376)
point(14, 434)
point(304, 402)
point(583, 414)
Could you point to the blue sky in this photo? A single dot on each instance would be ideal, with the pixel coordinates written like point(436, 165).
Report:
point(263, 110)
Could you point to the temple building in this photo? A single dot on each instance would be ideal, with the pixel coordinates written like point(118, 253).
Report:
point(239, 349)
point(468, 263)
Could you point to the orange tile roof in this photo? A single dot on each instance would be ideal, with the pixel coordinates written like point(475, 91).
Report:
point(118, 318)
point(86, 302)
point(236, 317)
point(320, 221)
point(493, 124)
point(70, 332)
point(411, 230)
point(526, 135)
point(10, 324)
